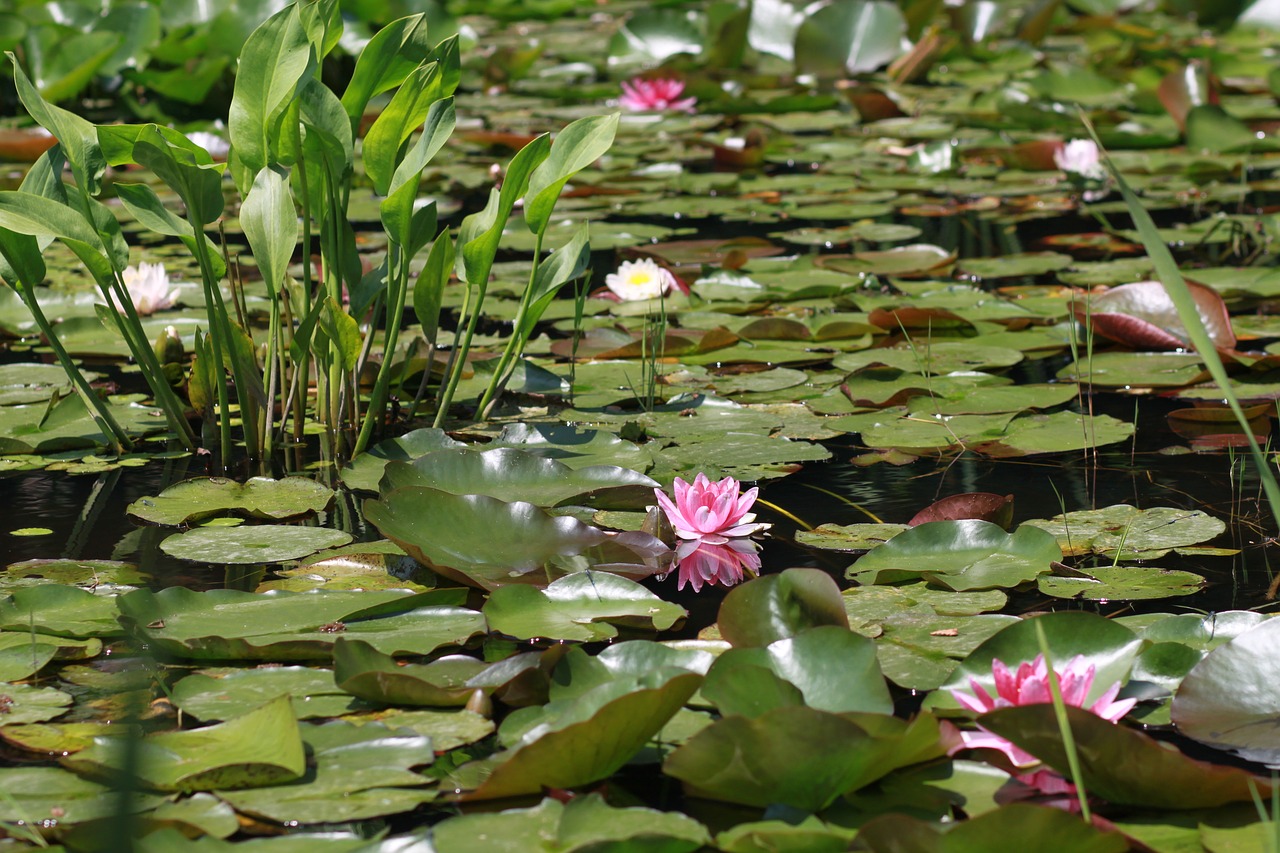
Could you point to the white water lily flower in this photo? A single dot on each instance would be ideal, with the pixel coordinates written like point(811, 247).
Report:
point(148, 286)
point(217, 147)
point(1081, 157)
point(642, 279)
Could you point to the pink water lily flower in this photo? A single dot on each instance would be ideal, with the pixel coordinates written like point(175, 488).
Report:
point(658, 95)
point(1081, 157)
point(710, 512)
point(699, 562)
point(1030, 686)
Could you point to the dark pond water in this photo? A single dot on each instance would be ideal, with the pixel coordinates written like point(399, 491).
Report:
point(88, 520)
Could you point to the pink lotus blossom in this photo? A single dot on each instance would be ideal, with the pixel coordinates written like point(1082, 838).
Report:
point(658, 95)
point(1030, 686)
point(710, 512)
point(699, 562)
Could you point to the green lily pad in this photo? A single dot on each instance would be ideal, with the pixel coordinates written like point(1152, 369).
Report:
point(63, 611)
point(90, 574)
point(23, 703)
point(1122, 765)
point(1120, 583)
point(448, 729)
point(960, 555)
point(1129, 533)
point(261, 543)
point(377, 565)
point(363, 671)
point(354, 773)
point(513, 475)
point(33, 383)
point(1229, 699)
point(211, 695)
point(480, 540)
point(227, 624)
point(365, 470)
point(1136, 369)
point(581, 606)
point(1060, 432)
point(56, 738)
point(849, 537)
point(584, 823)
point(205, 497)
point(1015, 823)
point(797, 756)
point(23, 655)
point(832, 669)
point(201, 813)
point(777, 607)
point(573, 446)
point(589, 736)
point(259, 748)
point(37, 794)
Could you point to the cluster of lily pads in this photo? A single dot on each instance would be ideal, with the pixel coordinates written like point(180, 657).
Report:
point(856, 221)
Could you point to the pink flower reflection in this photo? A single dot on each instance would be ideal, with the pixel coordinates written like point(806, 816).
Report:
point(1030, 686)
point(725, 563)
point(658, 95)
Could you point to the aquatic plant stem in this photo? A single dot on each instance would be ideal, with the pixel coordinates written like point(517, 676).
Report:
point(515, 344)
point(458, 358)
point(97, 407)
point(398, 285)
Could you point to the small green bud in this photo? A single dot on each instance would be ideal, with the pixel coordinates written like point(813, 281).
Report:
point(168, 347)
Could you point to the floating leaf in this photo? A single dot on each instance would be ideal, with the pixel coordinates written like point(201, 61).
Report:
point(258, 497)
point(212, 695)
point(227, 624)
point(585, 822)
point(797, 756)
point(363, 671)
point(260, 748)
point(777, 607)
point(960, 555)
point(591, 737)
point(581, 606)
point(1122, 765)
point(249, 545)
point(1229, 700)
point(353, 773)
point(483, 541)
point(513, 475)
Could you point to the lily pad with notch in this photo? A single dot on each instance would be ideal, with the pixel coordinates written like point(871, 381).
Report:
point(226, 624)
point(960, 555)
point(258, 497)
point(252, 544)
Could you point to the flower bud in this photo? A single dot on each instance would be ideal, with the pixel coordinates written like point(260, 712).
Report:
point(168, 347)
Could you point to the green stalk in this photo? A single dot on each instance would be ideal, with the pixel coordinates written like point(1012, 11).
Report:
point(515, 344)
point(301, 372)
point(217, 317)
point(106, 421)
point(270, 375)
point(458, 357)
point(398, 279)
point(1064, 725)
point(130, 326)
point(1174, 284)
